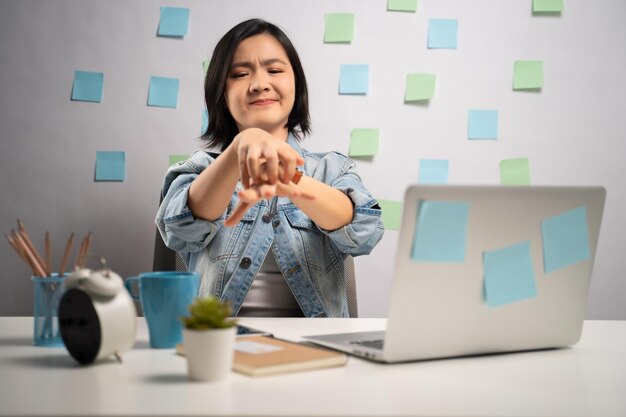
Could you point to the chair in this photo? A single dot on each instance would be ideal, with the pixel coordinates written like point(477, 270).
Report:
point(166, 259)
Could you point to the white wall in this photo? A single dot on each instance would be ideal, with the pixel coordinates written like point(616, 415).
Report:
point(572, 131)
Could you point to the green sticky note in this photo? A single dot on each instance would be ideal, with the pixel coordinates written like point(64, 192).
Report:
point(508, 275)
point(527, 75)
point(205, 66)
point(364, 142)
point(514, 172)
point(419, 87)
point(110, 166)
point(440, 232)
point(339, 27)
point(177, 158)
point(402, 5)
point(547, 6)
point(565, 239)
point(392, 213)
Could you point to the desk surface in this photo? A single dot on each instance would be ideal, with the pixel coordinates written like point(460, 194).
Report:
point(588, 379)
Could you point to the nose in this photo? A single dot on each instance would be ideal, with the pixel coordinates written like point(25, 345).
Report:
point(259, 82)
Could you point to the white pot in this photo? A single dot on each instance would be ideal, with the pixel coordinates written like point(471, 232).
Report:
point(209, 353)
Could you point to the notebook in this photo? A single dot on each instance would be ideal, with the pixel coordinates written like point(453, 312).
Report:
point(485, 269)
point(263, 355)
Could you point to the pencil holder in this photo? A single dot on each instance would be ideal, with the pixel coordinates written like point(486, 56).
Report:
point(47, 293)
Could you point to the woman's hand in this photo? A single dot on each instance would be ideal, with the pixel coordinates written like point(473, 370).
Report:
point(266, 165)
point(249, 197)
point(264, 159)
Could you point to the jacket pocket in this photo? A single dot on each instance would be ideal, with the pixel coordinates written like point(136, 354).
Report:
point(230, 241)
point(319, 252)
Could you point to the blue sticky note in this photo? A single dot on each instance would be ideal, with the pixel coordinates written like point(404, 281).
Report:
point(440, 232)
point(483, 124)
point(163, 92)
point(433, 171)
point(174, 21)
point(353, 79)
point(205, 121)
point(509, 275)
point(565, 239)
point(87, 86)
point(110, 166)
point(442, 33)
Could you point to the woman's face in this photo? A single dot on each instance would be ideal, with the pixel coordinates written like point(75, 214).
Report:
point(260, 88)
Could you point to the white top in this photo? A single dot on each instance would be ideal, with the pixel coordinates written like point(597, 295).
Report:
point(586, 380)
point(269, 295)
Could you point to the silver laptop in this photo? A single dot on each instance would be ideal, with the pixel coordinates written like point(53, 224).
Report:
point(485, 269)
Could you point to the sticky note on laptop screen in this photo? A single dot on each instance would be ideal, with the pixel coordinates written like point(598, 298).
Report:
point(440, 232)
point(508, 275)
point(565, 239)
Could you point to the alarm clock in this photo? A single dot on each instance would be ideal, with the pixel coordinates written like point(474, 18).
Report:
point(97, 316)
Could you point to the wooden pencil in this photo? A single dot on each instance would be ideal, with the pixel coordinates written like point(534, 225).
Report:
point(79, 255)
point(86, 250)
point(66, 254)
point(29, 243)
point(19, 250)
point(48, 254)
point(37, 266)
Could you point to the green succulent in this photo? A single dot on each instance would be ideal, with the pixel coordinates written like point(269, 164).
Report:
point(209, 313)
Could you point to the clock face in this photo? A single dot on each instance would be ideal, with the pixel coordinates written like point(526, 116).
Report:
point(80, 326)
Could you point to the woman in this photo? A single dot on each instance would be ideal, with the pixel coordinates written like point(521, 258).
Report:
point(265, 223)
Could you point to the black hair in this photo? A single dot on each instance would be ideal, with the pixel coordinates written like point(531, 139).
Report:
point(222, 128)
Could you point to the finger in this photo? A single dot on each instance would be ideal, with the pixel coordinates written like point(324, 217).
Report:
point(252, 163)
point(271, 166)
point(289, 170)
point(267, 190)
point(237, 214)
point(244, 174)
point(251, 196)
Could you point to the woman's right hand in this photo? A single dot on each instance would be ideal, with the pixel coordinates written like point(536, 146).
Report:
point(264, 159)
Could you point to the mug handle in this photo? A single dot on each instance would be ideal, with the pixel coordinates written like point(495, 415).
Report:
point(129, 287)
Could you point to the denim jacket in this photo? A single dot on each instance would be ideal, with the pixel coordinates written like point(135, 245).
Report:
point(310, 258)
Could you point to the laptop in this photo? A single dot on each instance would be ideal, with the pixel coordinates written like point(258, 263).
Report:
point(485, 269)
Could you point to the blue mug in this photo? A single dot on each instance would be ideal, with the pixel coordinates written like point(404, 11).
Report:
point(165, 298)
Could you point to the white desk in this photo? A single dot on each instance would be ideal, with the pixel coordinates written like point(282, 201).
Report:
point(589, 379)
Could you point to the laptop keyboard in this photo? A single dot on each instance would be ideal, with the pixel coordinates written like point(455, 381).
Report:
point(374, 344)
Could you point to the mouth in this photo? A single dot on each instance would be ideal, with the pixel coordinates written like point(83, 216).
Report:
point(263, 102)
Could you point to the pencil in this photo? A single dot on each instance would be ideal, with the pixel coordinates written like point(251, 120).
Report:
point(37, 266)
point(86, 250)
point(29, 243)
point(48, 254)
point(19, 250)
point(79, 255)
point(66, 254)
point(22, 250)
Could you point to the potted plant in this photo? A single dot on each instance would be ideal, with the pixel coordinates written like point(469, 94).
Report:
point(209, 336)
